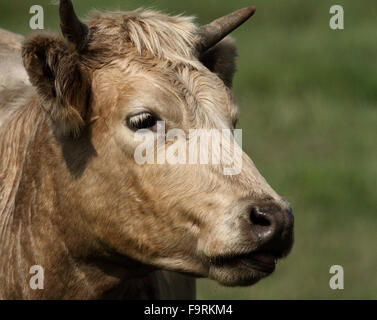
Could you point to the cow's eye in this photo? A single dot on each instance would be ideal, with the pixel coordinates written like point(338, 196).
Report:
point(143, 120)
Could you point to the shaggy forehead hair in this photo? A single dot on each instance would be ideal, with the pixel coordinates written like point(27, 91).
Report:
point(168, 43)
point(171, 38)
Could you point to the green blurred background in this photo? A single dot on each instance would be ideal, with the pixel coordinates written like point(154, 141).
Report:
point(308, 101)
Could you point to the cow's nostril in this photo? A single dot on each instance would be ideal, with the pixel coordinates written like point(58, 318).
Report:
point(271, 227)
point(259, 218)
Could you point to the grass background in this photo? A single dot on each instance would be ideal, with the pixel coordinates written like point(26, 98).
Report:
point(308, 100)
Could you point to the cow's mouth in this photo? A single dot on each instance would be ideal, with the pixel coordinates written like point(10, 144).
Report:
point(261, 261)
point(243, 269)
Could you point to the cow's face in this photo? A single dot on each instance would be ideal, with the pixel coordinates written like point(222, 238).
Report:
point(191, 215)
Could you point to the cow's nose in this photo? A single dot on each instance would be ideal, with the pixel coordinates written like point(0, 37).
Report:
point(273, 226)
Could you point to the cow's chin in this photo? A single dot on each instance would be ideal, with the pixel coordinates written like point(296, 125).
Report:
point(243, 270)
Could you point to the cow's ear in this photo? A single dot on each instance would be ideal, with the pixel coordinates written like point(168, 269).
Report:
point(62, 83)
point(221, 59)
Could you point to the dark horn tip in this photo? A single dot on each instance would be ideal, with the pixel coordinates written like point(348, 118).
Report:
point(65, 6)
point(72, 28)
point(214, 32)
point(251, 9)
point(247, 12)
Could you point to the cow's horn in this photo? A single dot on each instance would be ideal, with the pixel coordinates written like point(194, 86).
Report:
point(214, 32)
point(72, 28)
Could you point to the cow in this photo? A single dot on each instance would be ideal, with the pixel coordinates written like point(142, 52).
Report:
point(79, 217)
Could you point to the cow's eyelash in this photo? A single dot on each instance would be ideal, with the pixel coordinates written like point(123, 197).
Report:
point(143, 120)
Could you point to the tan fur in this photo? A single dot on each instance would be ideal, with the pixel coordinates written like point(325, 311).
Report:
point(74, 201)
point(12, 72)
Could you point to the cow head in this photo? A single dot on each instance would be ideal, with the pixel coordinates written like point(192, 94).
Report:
point(123, 72)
